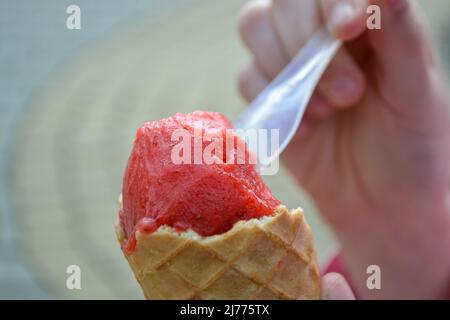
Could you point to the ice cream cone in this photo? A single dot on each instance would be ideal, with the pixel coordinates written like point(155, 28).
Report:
point(268, 258)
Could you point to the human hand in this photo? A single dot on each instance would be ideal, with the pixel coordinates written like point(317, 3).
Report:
point(373, 149)
point(335, 287)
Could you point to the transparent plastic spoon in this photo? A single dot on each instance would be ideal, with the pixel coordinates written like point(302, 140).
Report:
point(282, 104)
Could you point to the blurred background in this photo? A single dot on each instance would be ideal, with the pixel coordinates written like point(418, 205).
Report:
point(70, 104)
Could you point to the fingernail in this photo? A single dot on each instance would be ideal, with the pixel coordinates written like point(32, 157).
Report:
point(341, 13)
point(343, 90)
point(345, 85)
point(333, 292)
point(338, 290)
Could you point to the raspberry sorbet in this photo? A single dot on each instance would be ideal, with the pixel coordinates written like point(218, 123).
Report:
point(206, 198)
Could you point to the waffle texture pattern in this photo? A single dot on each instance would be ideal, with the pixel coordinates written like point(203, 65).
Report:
point(268, 258)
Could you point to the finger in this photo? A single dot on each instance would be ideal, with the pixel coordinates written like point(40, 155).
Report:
point(258, 34)
point(335, 287)
point(295, 22)
point(345, 19)
point(343, 83)
point(251, 81)
point(319, 108)
point(305, 128)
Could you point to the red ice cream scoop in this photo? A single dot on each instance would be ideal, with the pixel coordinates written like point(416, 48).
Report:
point(196, 194)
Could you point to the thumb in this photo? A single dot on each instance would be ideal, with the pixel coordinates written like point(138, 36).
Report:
point(335, 287)
point(403, 52)
point(345, 19)
point(403, 32)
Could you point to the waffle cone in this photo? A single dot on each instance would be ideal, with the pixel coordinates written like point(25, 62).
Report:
point(268, 258)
